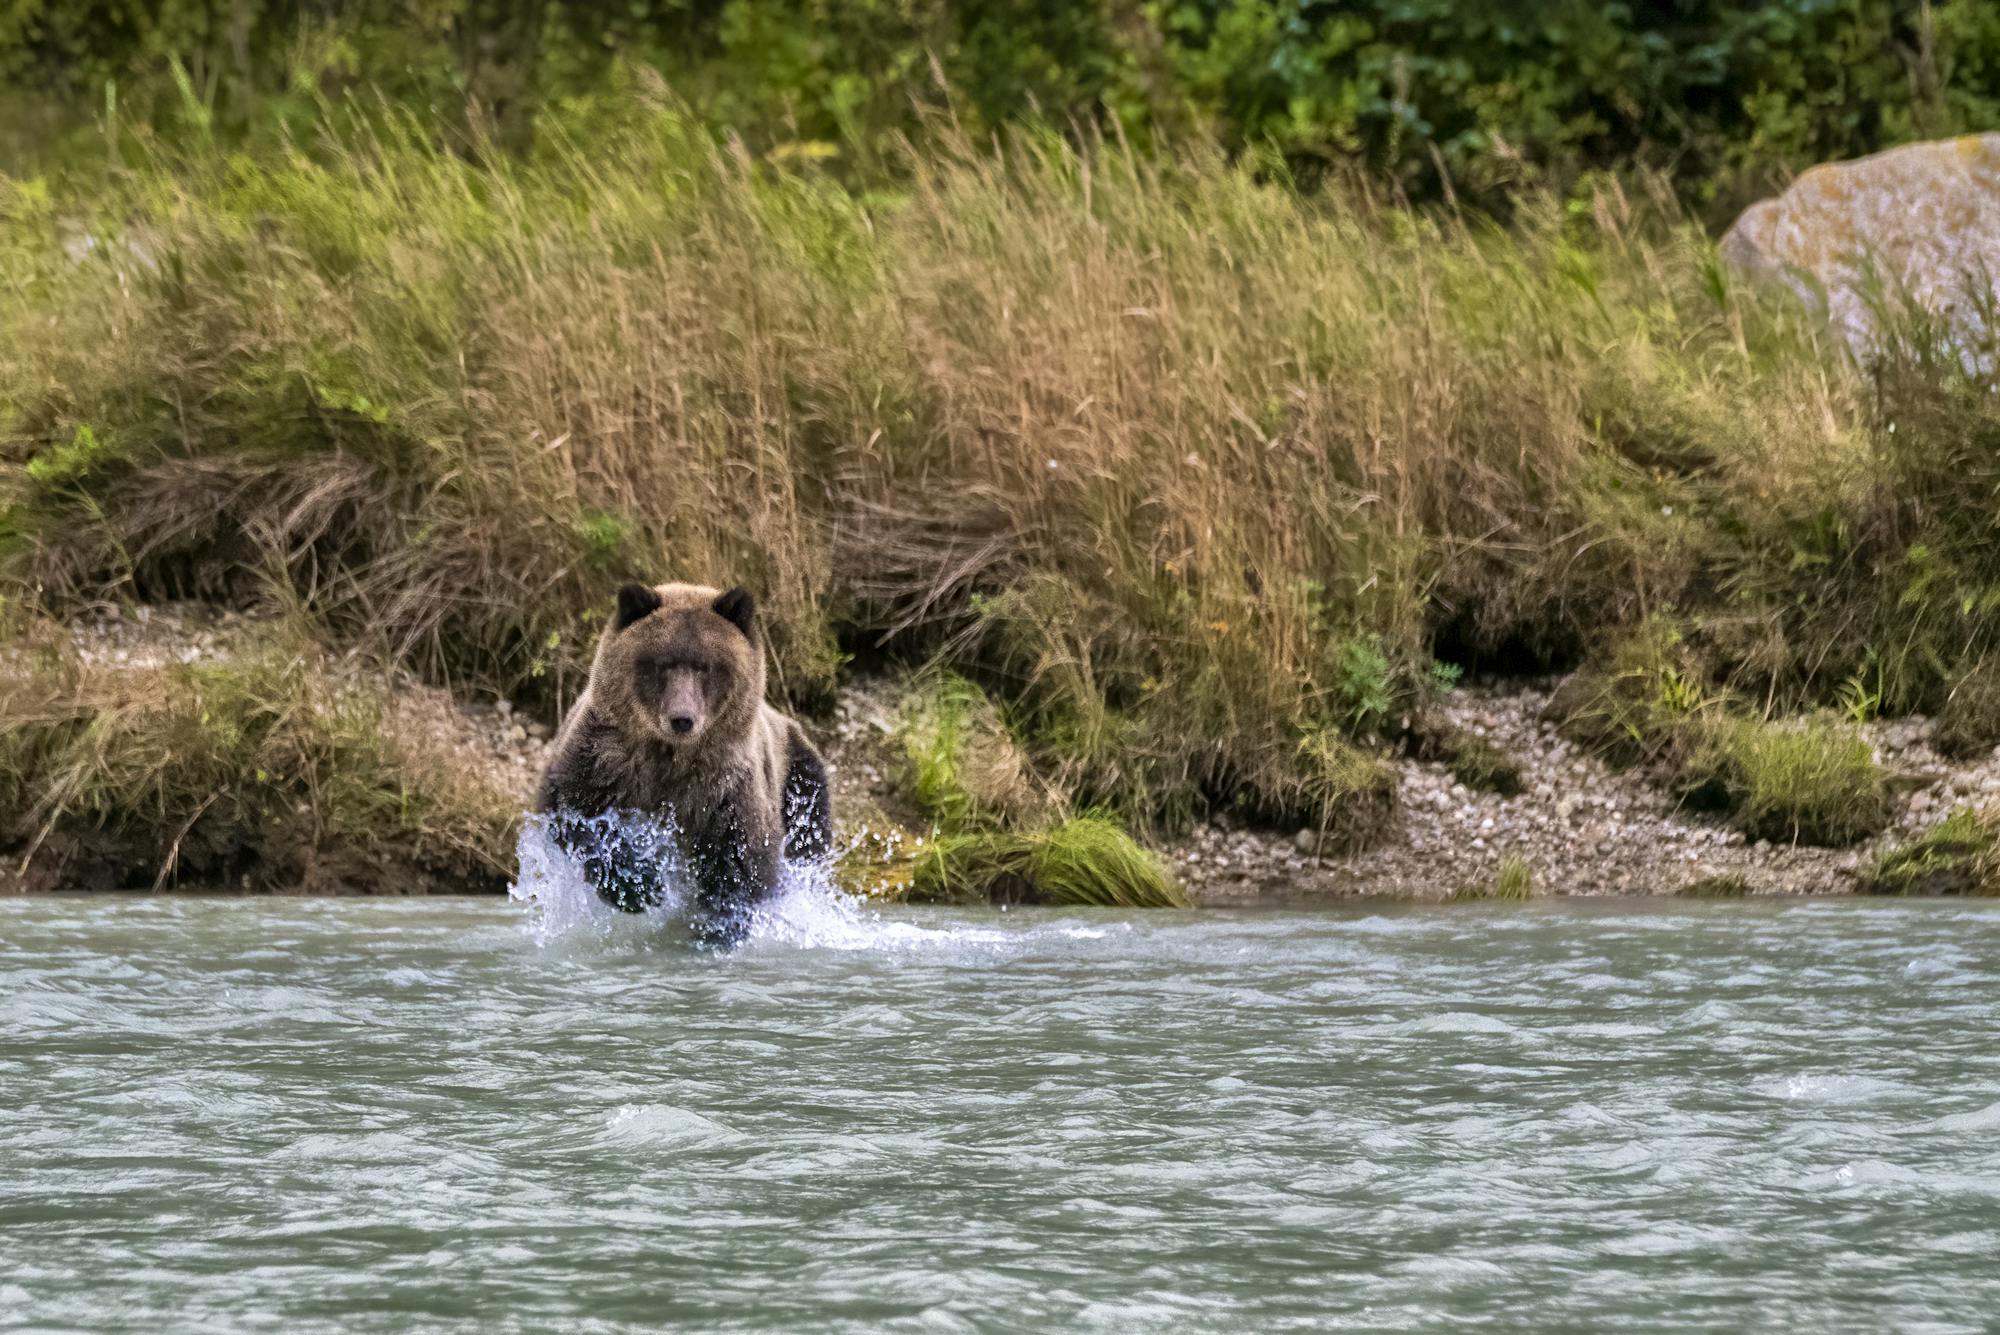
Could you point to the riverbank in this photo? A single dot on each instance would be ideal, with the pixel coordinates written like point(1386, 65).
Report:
point(1201, 504)
point(1580, 825)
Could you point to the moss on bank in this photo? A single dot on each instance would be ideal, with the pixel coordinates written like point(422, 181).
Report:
point(264, 772)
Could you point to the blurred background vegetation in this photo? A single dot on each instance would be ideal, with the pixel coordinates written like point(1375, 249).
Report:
point(1471, 98)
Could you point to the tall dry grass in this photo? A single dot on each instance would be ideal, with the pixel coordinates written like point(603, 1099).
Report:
point(1196, 472)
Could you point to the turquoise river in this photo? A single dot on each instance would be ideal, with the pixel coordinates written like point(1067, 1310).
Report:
point(296, 1115)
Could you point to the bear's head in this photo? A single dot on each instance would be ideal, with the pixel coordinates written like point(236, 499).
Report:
point(681, 664)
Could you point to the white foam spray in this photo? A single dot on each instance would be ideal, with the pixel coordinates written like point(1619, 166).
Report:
point(806, 910)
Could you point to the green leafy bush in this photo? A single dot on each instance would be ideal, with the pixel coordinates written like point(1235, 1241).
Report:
point(1435, 96)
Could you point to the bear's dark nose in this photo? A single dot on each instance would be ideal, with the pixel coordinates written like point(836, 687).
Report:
point(682, 723)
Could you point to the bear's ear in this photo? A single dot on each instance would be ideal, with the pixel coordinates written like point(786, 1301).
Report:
point(738, 608)
point(635, 601)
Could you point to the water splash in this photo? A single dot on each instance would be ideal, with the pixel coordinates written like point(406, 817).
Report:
point(806, 908)
point(562, 903)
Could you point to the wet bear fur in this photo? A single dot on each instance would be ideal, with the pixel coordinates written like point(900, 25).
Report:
point(673, 725)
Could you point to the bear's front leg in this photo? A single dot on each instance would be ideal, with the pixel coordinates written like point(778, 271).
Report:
point(808, 808)
point(625, 875)
point(729, 878)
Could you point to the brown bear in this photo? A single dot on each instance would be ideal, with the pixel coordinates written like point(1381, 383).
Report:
point(673, 726)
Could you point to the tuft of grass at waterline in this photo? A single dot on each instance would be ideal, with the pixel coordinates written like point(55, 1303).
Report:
point(1086, 860)
point(1813, 783)
point(263, 772)
point(1514, 881)
point(1958, 856)
point(1722, 885)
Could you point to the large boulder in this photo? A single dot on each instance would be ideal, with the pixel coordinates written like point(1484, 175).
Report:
point(1926, 217)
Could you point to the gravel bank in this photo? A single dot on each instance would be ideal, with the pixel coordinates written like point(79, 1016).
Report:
point(1585, 828)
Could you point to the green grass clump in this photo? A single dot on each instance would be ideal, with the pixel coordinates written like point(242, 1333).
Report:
point(962, 767)
point(1814, 782)
point(1958, 856)
point(1512, 882)
point(1722, 885)
point(1085, 860)
point(264, 771)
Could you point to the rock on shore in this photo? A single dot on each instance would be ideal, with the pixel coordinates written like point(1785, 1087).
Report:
point(1925, 216)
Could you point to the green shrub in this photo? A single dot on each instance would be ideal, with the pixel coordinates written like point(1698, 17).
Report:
point(1958, 856)
point(1433, 97)
point(1815, 783)
point(1086, 860)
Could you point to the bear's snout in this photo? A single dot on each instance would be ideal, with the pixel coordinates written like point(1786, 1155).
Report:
point(682, 706)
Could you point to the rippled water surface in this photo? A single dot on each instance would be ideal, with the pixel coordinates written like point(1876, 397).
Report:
point(384, 1115)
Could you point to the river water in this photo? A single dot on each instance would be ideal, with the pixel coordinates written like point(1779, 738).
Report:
point(355, 1115)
